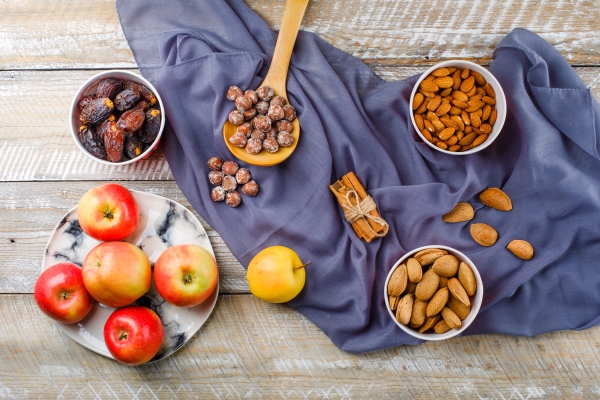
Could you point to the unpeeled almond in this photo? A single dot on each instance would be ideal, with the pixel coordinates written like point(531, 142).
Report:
point(496, 198)
point(398, 281)
point(521, 249)
point(461, 212)
point(458, 291)
point(428, 285)
point(404, 310)
point(466, 277)
point(484, 234)
point(451, 319)
point(428, 256)
point(446, 266)
point(415, 272)
point(437, 302)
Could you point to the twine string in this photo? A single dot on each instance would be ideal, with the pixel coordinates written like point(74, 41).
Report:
point(362, 209)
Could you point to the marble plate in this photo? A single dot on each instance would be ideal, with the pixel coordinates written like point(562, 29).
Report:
point(163, 223)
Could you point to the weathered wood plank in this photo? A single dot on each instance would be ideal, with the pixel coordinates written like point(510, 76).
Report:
point(249, 348)
point(30, 211)
point(41, 34)
point(35, 140)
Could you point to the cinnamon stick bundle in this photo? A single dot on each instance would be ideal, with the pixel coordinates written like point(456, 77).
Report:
point(359, 208)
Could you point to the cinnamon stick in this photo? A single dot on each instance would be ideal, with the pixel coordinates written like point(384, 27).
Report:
point(360, 226)
point(352, 182)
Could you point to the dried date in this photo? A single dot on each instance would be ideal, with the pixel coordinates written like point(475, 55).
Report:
point(96, 111)
point(131, 121)
point(114, 141)
point(133, 146)
point(126, 99)
point(91, 142)
point(109, 87)
point(151, 126)
point(83, 103)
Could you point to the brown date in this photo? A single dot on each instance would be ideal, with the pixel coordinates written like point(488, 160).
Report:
point(142, 105)
point(142, 90)
point(85, 101)
point(126, 99)
point(96, 111)
point(109, 124)
point(151, 126)
point(91, 142)
point(114, 141)
point(133, 146)
point(109, 87)
point(131, 121)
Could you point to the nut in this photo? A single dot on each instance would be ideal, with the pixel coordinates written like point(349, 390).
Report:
point(521, 249)
point(415, 272)
point(458, 291)
point(483, 234)
point(428, 256)
point(462, 211)
point(437, 302)
point(466, 277)
point(496, 198)
point(428, 285)
point(398, 280)
point(404, 311)
point(451, 318)
point(446, 266)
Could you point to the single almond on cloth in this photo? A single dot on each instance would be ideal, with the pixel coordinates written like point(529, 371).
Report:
point(521, 249)
point(428, 256)
point(496, 198)
point(428, 285)
point(415, 272)
point(398, 281)
point(461, 211)
point(458, 307)
point(393, 300)
point(429, 323)
point(458, 291)
point(437, 302)
point(418, 313)
point(451, 319)
point(404, 310)
point(446, 266)
point(484, 234)
point(441, 327)
point(467, 278)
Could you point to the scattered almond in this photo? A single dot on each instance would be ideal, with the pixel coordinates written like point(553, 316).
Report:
point(484, 234)
point(521, 249)
point(466, 277)
point(398, 281)
point(415, 272)
point(446, 266)
point(496, 198)
point(461, 212)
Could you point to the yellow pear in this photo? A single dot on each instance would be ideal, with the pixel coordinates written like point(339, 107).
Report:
point(276, 274)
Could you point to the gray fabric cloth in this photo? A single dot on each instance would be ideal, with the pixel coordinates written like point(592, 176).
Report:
point(546, 159)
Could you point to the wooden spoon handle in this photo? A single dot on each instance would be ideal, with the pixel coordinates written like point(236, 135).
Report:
point(290, 24)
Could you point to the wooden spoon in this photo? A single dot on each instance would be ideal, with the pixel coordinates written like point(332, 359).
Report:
point(276, 78)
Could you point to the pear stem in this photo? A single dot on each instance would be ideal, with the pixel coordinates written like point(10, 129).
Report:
point(303, 265)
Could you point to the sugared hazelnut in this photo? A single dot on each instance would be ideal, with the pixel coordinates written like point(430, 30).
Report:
point(262, 107)
point(265, 93)
point(215, 163)
point(243, 103)
point(233, 199)
point(275, 112)
point(238, 139)
point(278, 101)
point(245, 128)
point(249, 114)
point(229, 183)
point(285, 139)
point(272, 133)
point(250, 189)
point(229, 167)
point(236, 117)
point(243, 176)
point(215, 177)
point(270, 145)
point(284, 126)
point(290, 112)
point(218, 194)
point(251, 94)
point(254, 146)
point(262, 122)
point(233, 93)
point(258, 134)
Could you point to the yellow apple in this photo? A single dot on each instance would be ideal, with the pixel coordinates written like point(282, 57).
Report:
point(276, 274)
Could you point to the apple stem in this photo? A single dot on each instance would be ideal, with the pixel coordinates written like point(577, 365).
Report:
point(122, 335)
point(64, 295)
point(303, 265)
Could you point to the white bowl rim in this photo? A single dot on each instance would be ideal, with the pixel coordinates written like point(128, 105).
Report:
point(107, 74)
point(477, 299)
point(500, 100)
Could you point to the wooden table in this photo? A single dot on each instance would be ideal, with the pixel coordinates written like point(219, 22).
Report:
point(248, 348)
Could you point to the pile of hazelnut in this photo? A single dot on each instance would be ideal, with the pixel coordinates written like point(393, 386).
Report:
point(226, 176)
point(270, 120)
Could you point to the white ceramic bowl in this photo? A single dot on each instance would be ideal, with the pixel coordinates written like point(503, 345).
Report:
point(475, 300)
point(89, 87)
point(500, 104)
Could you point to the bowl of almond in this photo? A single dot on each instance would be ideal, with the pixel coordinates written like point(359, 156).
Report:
point(458, 107)
point(433, 292)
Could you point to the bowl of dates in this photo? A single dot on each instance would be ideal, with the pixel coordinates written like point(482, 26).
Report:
point(117, 117)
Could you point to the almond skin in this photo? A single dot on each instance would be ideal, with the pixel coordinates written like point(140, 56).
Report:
point(461, 212)
point(458, 291)
point(446, 266)
point(428, 286)
point(437, 302)
point(415, 272)
point(521, 249)
point(484, 234)
point(496, 198)
point(466, 277)
point(398, 280)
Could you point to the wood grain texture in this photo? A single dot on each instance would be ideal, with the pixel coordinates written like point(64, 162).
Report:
point(30, 211)
point(252, 349)
point(70, 34)
point(36, 142)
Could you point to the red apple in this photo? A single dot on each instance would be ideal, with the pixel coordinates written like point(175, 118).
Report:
point(116, 273)
point(133, 334)
point(59, 292)
point(108, 212)
point(185, 275)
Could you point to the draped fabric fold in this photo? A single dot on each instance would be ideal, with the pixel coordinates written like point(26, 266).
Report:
point(546, 159)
